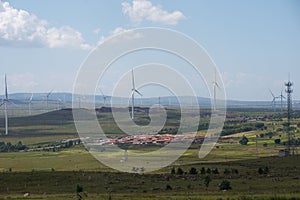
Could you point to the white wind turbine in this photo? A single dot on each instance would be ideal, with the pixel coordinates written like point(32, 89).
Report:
point(133, 90)
point(60, 104)
point(215, 86)
point(273, 100)
point(47, 97)
point(104, 97)
point(30, 103)
point(4, 102)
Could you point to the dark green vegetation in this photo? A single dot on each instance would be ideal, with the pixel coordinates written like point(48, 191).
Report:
point(231, 170)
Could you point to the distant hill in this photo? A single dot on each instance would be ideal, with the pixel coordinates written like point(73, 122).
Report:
point(23, 98)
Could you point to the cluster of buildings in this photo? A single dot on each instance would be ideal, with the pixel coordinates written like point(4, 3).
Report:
point(151, 139)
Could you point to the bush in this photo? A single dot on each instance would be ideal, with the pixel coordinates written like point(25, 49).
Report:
point(244, 140)
point(263, 170)
point(265, 144)
point(260, 171)
point(225, 185)
point(207, 180)
point(277, 141)
point(168, 187)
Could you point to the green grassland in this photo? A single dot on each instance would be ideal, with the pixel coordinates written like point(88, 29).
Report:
point(54, 175)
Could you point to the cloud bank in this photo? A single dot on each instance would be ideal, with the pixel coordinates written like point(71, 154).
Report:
point(20, 28)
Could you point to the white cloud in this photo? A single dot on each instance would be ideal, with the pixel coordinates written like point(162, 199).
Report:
point(127, 34)
point(21, 28)
point(144, 10)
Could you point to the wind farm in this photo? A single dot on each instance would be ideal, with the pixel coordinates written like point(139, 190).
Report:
point(46, 129)
point(145, 100)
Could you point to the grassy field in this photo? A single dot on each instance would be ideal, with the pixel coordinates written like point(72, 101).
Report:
point(282, 180)
point(55, 175)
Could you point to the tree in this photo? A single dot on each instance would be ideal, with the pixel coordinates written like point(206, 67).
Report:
point(173, 170)
point(244, 140)
point(193, 171)
point(260, 171)
point(208, 171)
point(215, 171)
point(203, 171)
point(234, 171)
point(266, 171)
point(179, 171)
point(207, 181)
point(225, 185)
point(226, 171)
point(270, 134)
point(79, 190)
point(259, 125)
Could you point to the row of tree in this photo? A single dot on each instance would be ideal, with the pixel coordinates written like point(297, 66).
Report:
point(203, 171)
point(9, 147)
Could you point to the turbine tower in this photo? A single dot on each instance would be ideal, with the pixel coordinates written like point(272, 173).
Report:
point(215, 86)
point(5, 101)
point(47, 97)
point(30, 103)
point(289, 92)
point(133, 90)
point(281, 100)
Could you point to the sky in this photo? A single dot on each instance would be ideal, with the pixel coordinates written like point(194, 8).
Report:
point(255, 44)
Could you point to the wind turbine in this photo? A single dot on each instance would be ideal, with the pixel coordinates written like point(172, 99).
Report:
point(104, 97)
point(29, 104)
point(215, 86)
point(4, 102)
point(274, 100)
point(47, 97)
point(133, 90)
point(281, 99)
point(60, 103)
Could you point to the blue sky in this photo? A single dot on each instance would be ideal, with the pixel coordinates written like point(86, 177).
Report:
point(255, 43)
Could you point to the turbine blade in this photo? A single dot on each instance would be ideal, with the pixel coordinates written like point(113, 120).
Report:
point(132, 76)
point(272, 93)
point(138, 92)
point(49, 93)
point(101, 92)
point(2, 104)
point(11, 102)
point(31, 97)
